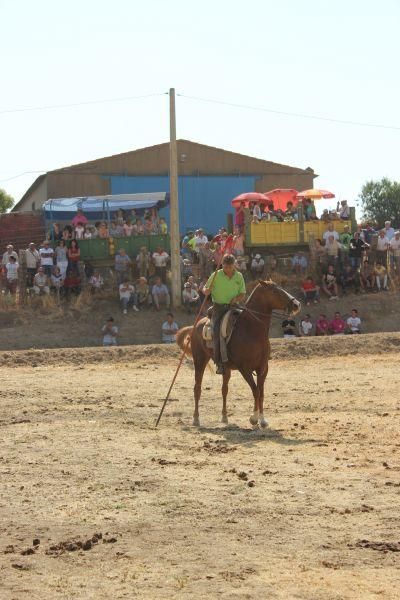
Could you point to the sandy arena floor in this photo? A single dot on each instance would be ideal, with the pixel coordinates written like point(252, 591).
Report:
point(308, 509)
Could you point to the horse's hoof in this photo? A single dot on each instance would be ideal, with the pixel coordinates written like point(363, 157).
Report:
point(224, 419)
point(255, 426)
point(254, 419)
point(196, 422)
point(263, 423)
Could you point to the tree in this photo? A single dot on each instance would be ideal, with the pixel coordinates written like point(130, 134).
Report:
point(380, 201)
point(6, 201)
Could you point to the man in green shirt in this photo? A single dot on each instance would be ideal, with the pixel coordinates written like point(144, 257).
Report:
point(226, 287)
point(344, 239)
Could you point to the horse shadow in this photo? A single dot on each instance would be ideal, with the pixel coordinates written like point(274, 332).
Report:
point(246, 436)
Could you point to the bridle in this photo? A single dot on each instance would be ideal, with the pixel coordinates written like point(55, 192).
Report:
point(275, 314)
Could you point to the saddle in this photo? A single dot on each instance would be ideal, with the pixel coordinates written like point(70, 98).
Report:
point(227, 326)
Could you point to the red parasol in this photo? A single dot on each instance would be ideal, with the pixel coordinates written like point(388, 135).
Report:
point(280, 198)
point(250, 197)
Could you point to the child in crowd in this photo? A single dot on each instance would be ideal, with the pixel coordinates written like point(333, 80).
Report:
point(79, 231)
point(305, 326)
point(163, 227)
point(354, 322)
point(110, 333)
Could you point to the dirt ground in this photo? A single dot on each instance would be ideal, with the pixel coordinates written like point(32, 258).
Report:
point(308, 509)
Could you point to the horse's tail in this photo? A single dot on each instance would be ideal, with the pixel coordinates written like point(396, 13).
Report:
point(183, 339)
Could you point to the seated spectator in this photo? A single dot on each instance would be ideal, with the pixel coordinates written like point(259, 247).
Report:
point(96, 282)
point(309, 210)
point(110, 333)
point(46, 253)
point(128, 228)
point(74, 256)
point(79, 231)
point(310, 290)
point(12, 268)
point(162, 226)
point(160, 294)
point(127, 296)
point(190, 297)
point(354, 323)
point(143, 293)
point(122, 265)
point(350, 278)
point(143, 260)
point(344, 210)
point(330, 230)
point(55, 233)
point(382, 246)
point(114, 229)
point(257, 267)
point(305, 326)
point(169, 329)
point(57, 279)
point(290, 212)
point(41, 282)
point(329, 283)
point(32, 259)
point(322, 325)
point(299, 263)
point(88, 233)
point(102, 230)
point(160, 260)
point(332, 249)
point(193, 283)
point(337, 326)
point(356, 247)
point(289, 328)
point(72, 282)
point(380, 273)
point(79, 218)
point(61, 253)
point(367, 276)
point(67, 233)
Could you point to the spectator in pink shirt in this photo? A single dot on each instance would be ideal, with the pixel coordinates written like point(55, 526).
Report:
point(337, 325)
point(79, 218)
point(322, 326)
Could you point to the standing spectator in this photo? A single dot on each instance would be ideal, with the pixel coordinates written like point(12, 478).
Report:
point(160, 260)
point(322, 325)
point(110, 333)
point(349, 278)
point(79, 231)
point(200, 239)
point(88, 233)
point(12, 274)
point(160, 294)
point(238, 243)
point(356, 248)
point(299, 263)
point(381, 276)
point(128, 228)
point(240, 216)
point(143, 293)
point(122, 265)
point(354, 322)
point(289, 328)
point(395, 252)
point(32, 259)
point(67, 233)
point(96, 282)
point(74, 255)
point(205, 260)
point(162, 225)
point(190, 297)
point(46, 253)
point(79, 218)
point(9, 252)
point(305, 326)
point(344, 239)
point(320, 256)
point(337, 325)
point(310, 290)
point(55, 232)
point(256, 212)
point(185, 245)
point(344, 210)
point(169, 329)
point(127, 296)
point(41, 282)
point(62, 257)
point(332, 249)
point(257, 267)
point(367, 276)
point(329, 283)
point(382, 246)
point(330, 231)
point(389, 231)
point(143, 262)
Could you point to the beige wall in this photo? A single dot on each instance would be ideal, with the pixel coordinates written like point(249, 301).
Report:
point(35, 200)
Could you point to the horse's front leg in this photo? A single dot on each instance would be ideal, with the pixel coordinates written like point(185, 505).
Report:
point(199, 367)
point(260, 386)
point(225, 382)
point(247, 376)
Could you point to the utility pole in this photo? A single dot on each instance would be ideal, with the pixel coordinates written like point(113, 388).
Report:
point(174, 206)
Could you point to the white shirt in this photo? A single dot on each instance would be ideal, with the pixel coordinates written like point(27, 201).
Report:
point(166, 337)
point(354, 323)
point(189, 294)
point(257, 264)
point(12, 271)
point(389, 233)
point(7, 255)
point(46, 256)
point(200, 240)
point(125, 291)
point(344, 212)
point(160, 259)
point(328, 233)
point(79, 231)
point(110, 335)
point(305, 327)
point(395, 246)
point(32, 258)
point(382, 243)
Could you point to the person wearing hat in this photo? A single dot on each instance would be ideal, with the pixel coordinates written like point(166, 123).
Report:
point(46, 254)
point(32, 259)
point(257, 267)
point(343, 210)
point(9, 252)
point(226, 287)
point(190, 297)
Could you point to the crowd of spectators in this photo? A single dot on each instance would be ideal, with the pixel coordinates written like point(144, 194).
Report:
point(338, 325)
point(268, 213)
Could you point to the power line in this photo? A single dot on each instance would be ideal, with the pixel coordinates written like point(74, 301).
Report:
point(290, 114)
point(20, 175)
point(88, 102)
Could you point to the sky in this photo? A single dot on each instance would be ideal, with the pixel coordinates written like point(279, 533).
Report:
point(337, 60)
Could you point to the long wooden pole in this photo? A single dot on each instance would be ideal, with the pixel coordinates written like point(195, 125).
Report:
point(174, 206)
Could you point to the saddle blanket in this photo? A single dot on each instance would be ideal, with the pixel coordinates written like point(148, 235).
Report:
point(227, 326)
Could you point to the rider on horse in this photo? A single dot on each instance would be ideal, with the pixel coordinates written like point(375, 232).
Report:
point(226, 287)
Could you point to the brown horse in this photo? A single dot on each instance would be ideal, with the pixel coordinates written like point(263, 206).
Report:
point(248, 348)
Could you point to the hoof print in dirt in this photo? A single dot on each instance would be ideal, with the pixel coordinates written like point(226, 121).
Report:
point(20, 566)
point(27, 551)
point(110, 540)
point(243, 475)
point(9, 549)
point(251, 483)
point(87, 545)
point(379, 546)
point(36, 542)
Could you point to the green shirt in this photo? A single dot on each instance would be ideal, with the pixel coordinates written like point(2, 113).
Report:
point(345, 239)
point(224, 288)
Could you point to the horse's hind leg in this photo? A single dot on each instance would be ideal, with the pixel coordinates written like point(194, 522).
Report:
point(250, 380)
point(199, 366)
point(225, 382)
point(260, 385)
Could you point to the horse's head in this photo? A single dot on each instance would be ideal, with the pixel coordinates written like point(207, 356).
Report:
point(280, 299)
